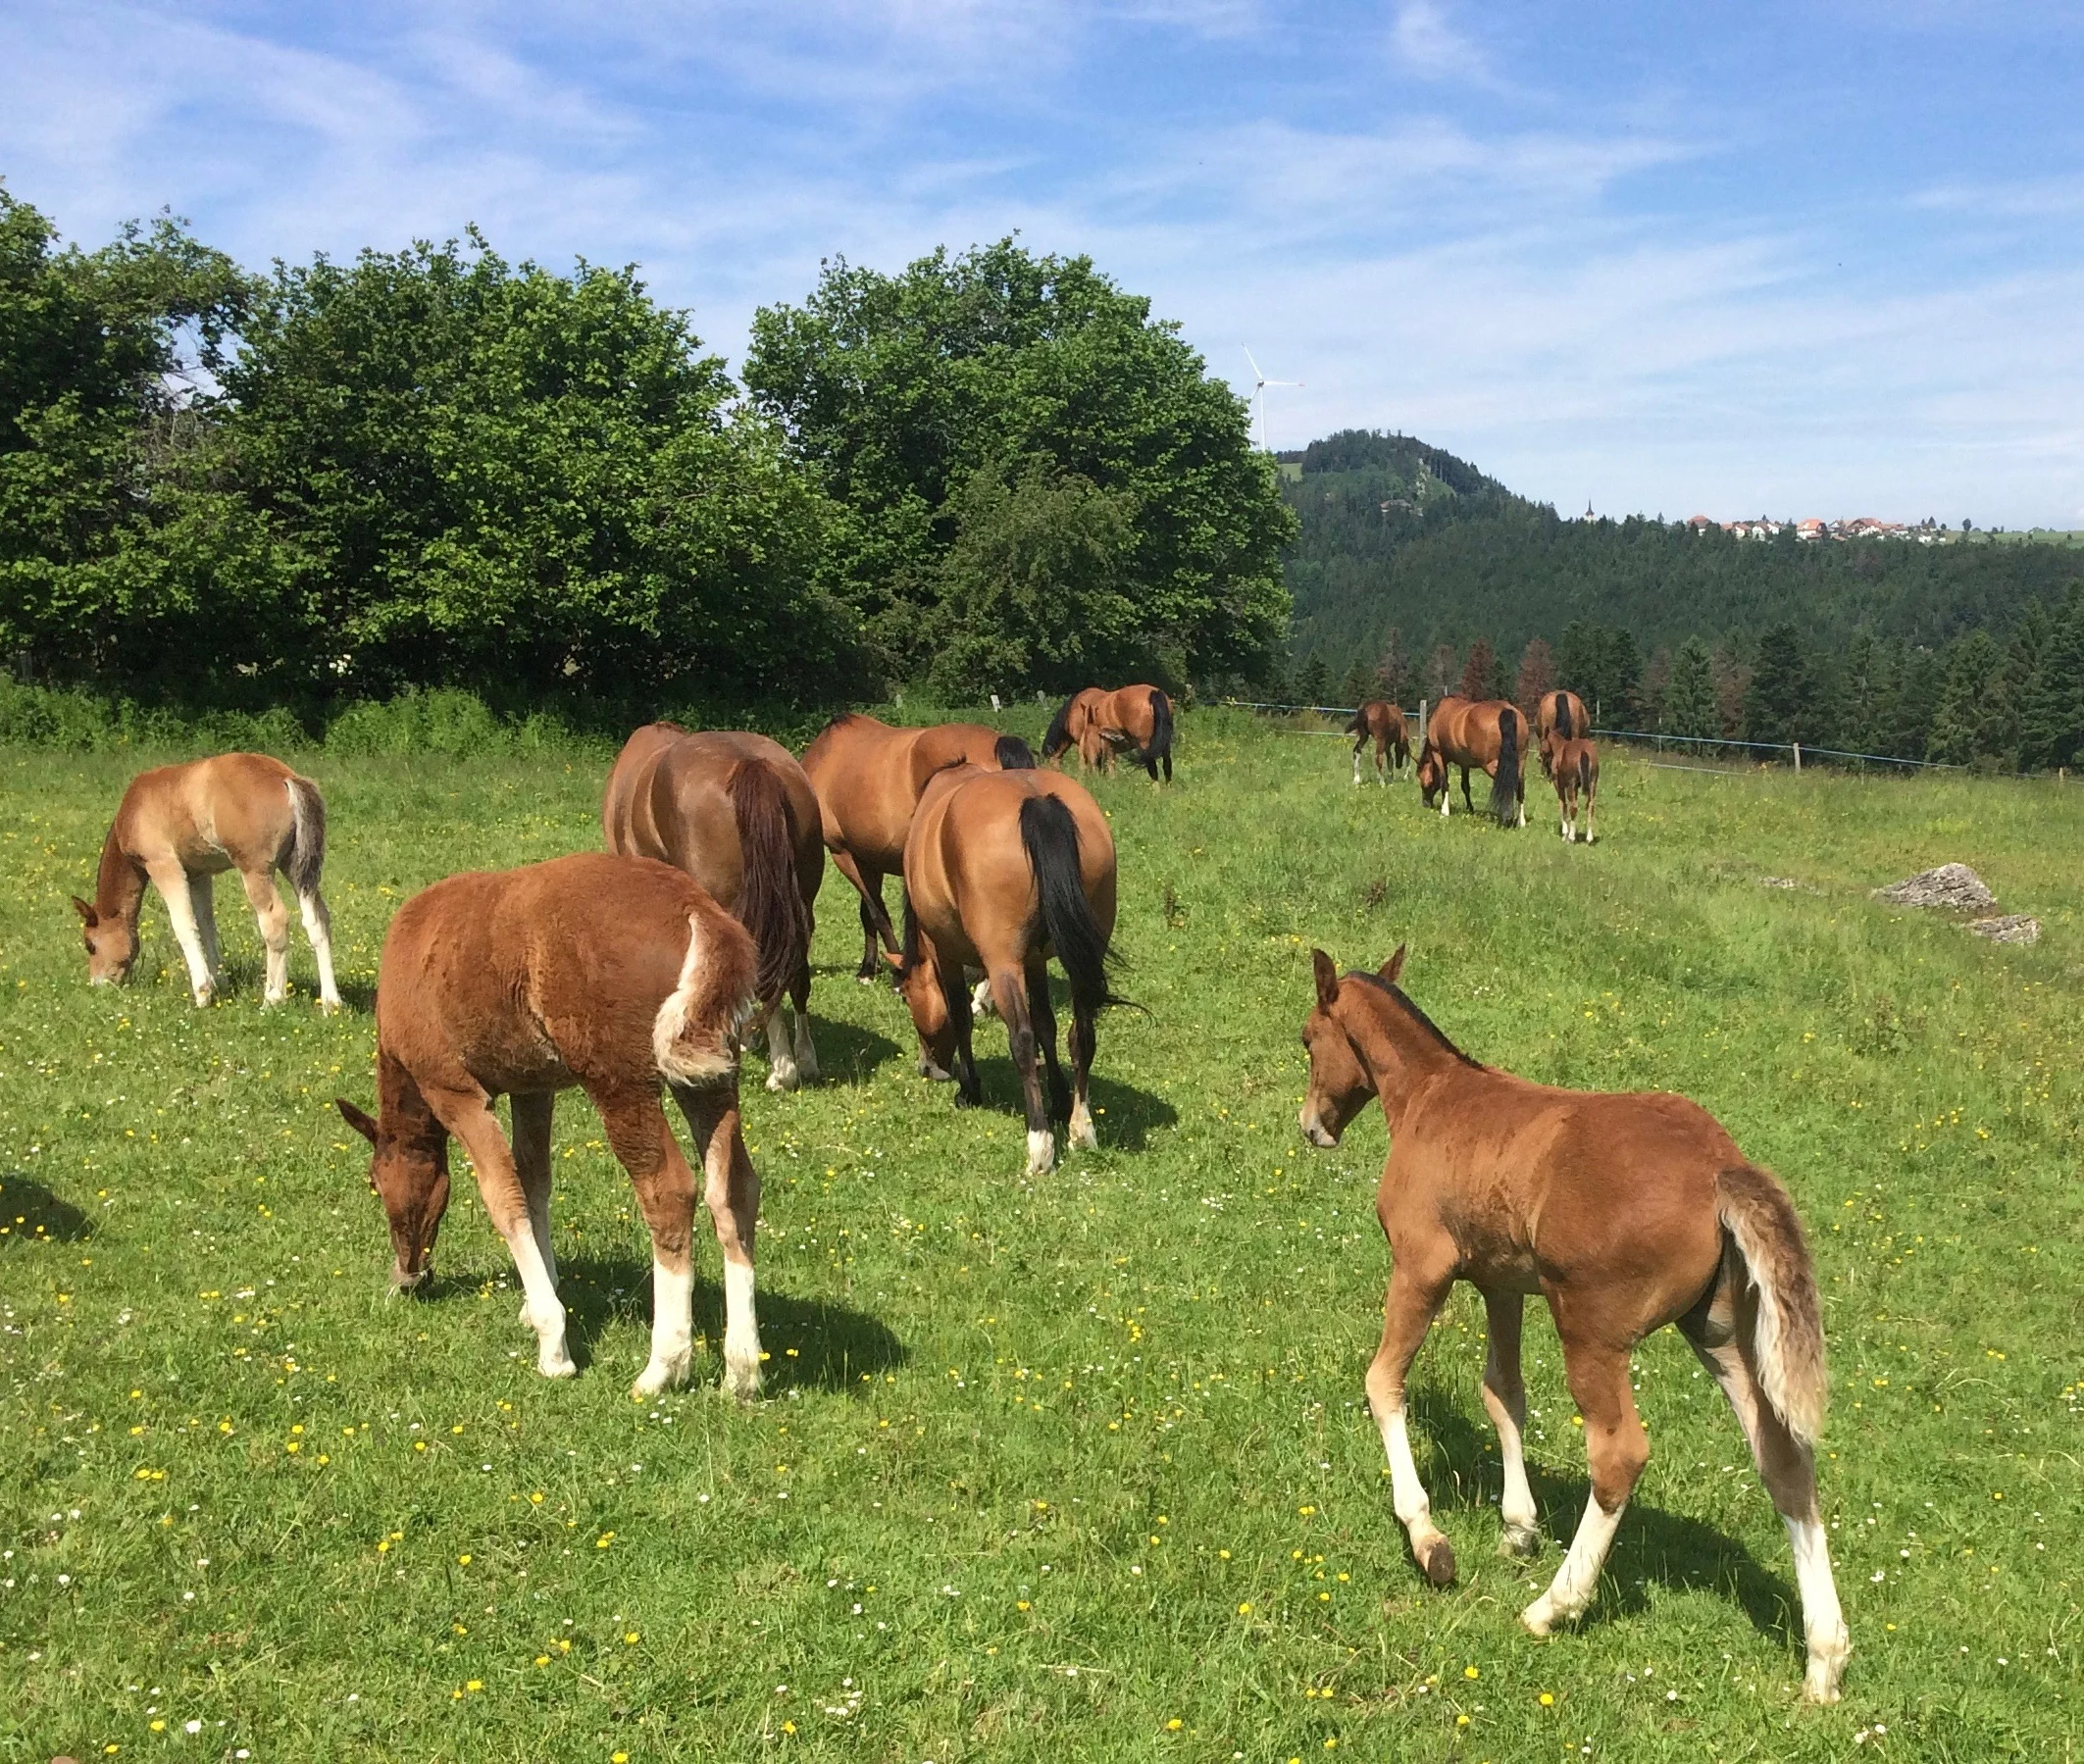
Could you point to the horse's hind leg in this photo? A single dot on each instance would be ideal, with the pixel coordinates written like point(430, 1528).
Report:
point(1506, 1397)
point(274, 920)
point(1406, 1313)
point(731, 1192)
point(533, 1111)
point(1009, 988)
point(1041, 1013)
point(1616, 1449)
point(202, 900)
point(1084, 1043)
point(1788, 1469)
point(318, 931)
point(800, 1008)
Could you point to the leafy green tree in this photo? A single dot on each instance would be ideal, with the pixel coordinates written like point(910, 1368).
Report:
point(495, 476)
point(897, 390)
point(1690, 698)
point(1780, 702)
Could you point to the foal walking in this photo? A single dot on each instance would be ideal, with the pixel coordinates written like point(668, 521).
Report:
point(1383, 723)
point(1625, 1213)
point(177, 827)
point(612, 973)
point(1577, 784)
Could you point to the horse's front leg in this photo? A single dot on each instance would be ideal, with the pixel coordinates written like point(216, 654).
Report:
point(506, 1204)
point(1406, 1313)
point(731, 1192)
point(1506, 1397)
point(172, 881)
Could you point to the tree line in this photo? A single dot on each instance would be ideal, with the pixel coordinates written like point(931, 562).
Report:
point(991, 472)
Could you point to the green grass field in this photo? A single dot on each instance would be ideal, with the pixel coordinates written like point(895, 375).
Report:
point(1072, 1468)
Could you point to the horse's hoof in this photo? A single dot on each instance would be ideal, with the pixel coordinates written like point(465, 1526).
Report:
point(742, 1382)
point(1520, 1541)
point(562, 1366)
point(330, 1007)
point(1536, 1619)
point(1041, 1153)
point(1439, 1561)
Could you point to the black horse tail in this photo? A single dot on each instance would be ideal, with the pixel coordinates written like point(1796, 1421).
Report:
point(1359, 724)
point(1562, 717)
point(770, 901)
point(1505, 788)
point(1160, 747)
point(1013, 754)
point(1049, 837)
point(1059, 735)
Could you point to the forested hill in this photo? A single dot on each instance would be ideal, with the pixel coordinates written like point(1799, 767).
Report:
point(1400, 536)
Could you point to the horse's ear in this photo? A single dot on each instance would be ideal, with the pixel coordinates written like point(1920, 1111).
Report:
point(1327, 978)
point(356, 1118)
point(85, 912)
point(1392, 968)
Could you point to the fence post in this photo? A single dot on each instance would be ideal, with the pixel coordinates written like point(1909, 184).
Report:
point(1421, 724)
point(1797, 756)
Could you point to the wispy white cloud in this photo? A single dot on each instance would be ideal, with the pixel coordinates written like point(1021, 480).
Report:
point(1424, 41)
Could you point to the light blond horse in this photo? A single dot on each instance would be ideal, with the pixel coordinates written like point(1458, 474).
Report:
point(178, 828)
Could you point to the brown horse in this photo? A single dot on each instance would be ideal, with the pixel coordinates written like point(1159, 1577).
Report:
point(610, 972)
point(1132, 719)
point(868, 777)
point(1558, 717)
point(1625, 1213)
point(1381, 722)
point(737, 813)
point(1001, 868)
point(1488, 737)
point(178, 828)
point(1577, 784)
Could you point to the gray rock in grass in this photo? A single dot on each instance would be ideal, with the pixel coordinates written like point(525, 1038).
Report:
point(1954, 885)
point(2011, 928)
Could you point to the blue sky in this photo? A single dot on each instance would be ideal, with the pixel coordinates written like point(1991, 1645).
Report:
point(1740, 258)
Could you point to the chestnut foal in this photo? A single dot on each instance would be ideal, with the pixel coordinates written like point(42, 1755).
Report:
point(1560, 717)
point(1625, 1213)
point(1577, 784)
point(179, 827)
point(1001, 868)
point(1383, 723)
point(609, 973)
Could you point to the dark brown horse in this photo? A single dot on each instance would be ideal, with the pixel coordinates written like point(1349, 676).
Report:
point(737, 813)
point(1558, 717)
point(178, 828)
point(1132, 719)
point(1577, 784)
point(868, 777)
point(1381, 722)
point(1625, 1213)
point(1002, 870)
point(1491, 737)
point(612, 973)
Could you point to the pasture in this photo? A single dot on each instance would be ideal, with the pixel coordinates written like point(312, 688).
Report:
point(1071, 1467)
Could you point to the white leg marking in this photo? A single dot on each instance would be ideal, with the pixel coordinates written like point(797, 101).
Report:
point(318, 929)
point(1407, 1494)
point(1822, 1621)
point(1445, 811)
point(1356, 765)
point(1082, 1135)
point(172, 886)
point(672, 1328)
point(781, 1072)
point(1579, 1577)
point(984, 1003)
point(202, 899)
point(742, 1332)
point(1523, 1531)
point(545, 1312)
point(1042, 1151)
point(806, 1054)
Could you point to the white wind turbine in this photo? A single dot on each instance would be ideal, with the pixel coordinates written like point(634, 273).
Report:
point(1258, 391)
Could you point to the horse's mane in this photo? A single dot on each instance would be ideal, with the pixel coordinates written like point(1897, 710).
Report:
point(836, 719)
point(1404, 999)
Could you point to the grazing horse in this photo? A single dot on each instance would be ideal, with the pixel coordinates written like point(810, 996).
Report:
point(1491, 737)
point(1381, 722)
point(177, 827)
point(1625, 1213)
point(868, 777)
point(1131, 720)
point(1577, 784)
point(737, 813)
point(613, 974)
point(1558, 717)
point(1001, 868)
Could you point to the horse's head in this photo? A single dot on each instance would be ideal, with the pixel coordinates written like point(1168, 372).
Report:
point(112, 945)
point(919, 982)
point(1432, 776)
point(1340, 1087)
point(409, 1172)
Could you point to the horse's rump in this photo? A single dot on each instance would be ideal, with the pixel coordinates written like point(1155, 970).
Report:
point(770, 901)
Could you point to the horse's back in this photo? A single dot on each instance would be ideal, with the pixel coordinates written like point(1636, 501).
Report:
point(228, 808)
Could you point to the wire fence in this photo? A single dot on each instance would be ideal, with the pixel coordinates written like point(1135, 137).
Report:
point(1798, 751)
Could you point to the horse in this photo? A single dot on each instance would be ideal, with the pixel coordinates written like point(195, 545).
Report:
point(1001, 868)
point(1132, 719)
point(1489, 737)
point(613, 974)
point(178, 826)
point(1381, 722)
point(737, 813)
point(1558, 717)
point(868, 777)
point(1625, 1213)
point(1577, 784)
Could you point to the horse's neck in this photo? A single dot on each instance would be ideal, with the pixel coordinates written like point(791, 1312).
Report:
point(404, 1109)
point(120, 886)
point(1400, 1052)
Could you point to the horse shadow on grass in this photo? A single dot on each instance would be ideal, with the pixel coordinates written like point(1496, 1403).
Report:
point(30, 1213)
point(833, 1345)
point(1125, 1114)
point(1652, 1547)
point(848, 1053)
